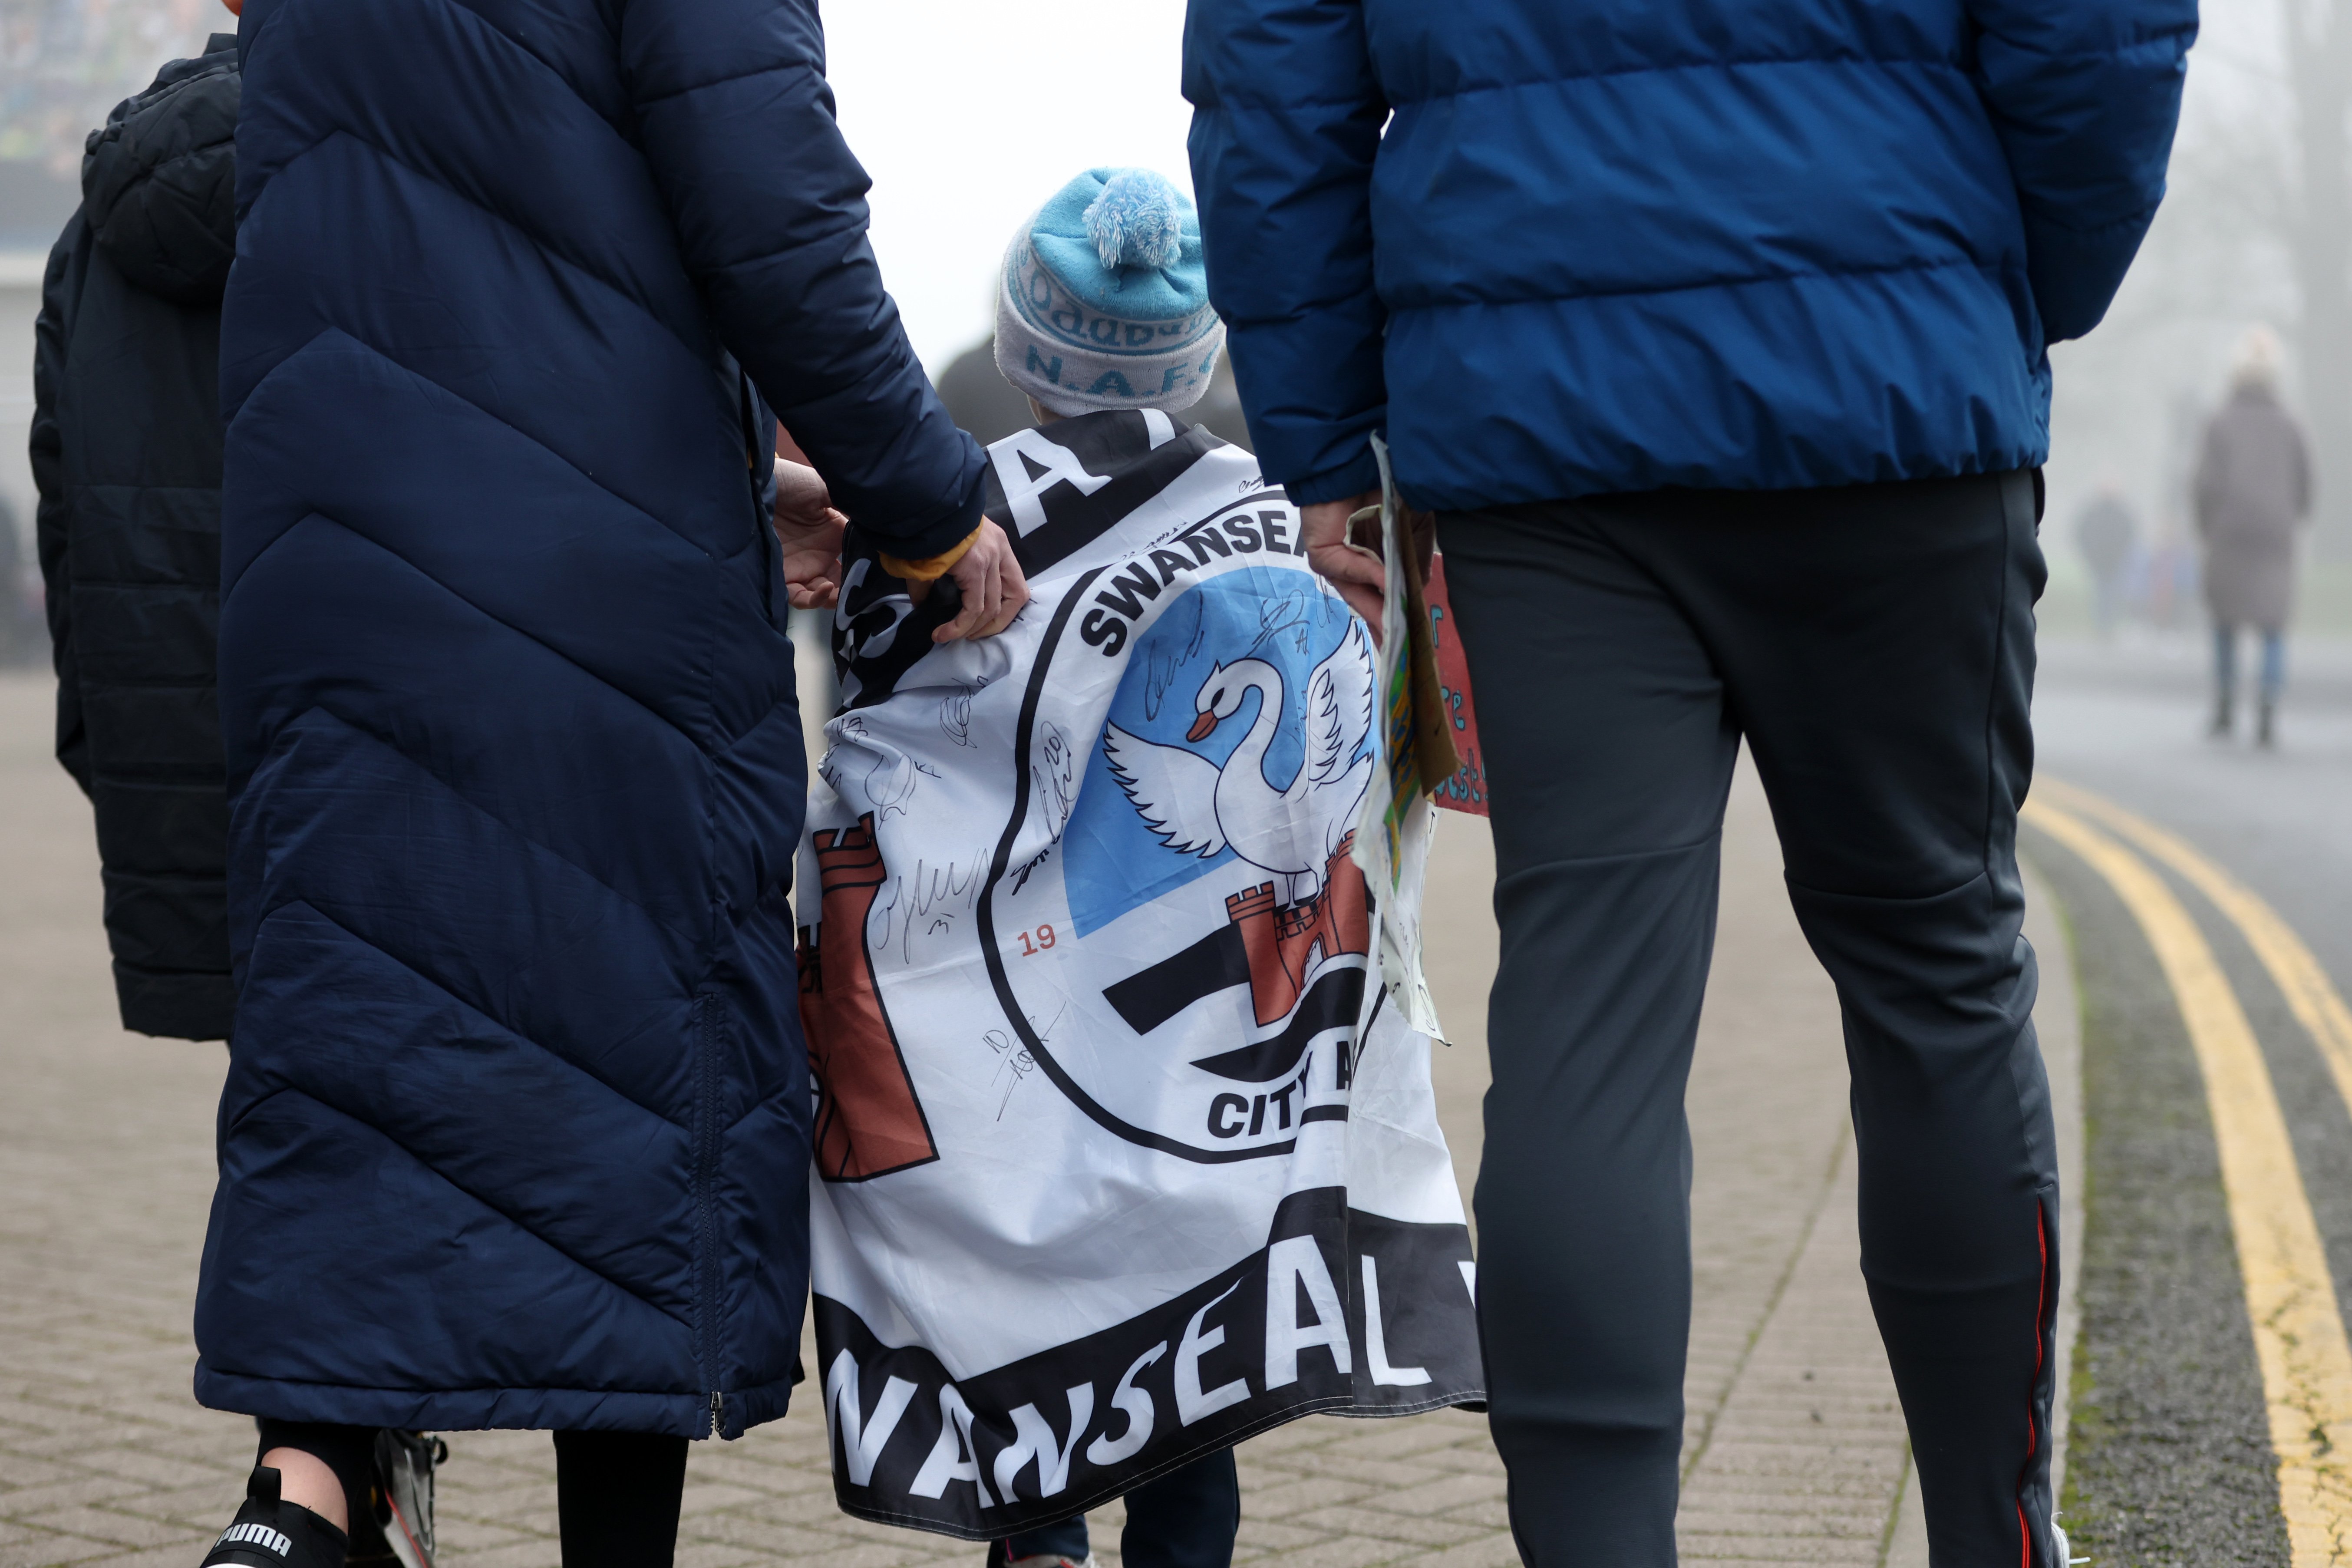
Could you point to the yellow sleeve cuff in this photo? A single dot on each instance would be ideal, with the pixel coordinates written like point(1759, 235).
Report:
point(931, 568)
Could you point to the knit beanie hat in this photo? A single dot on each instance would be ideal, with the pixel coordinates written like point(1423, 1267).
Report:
point(1104, 302)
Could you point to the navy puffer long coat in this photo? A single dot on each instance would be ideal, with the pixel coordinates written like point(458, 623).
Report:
point(515, 1132)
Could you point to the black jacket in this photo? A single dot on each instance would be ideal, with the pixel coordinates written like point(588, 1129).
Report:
point(127, 452)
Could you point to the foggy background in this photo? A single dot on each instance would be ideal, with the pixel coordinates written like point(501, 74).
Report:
point(969, 114)
point(2257, 228)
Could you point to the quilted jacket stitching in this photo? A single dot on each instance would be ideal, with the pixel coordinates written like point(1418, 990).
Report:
point(1824, 274)
point(803, 67)
point(346, 334)
point(561, 84)
point(311, 903)
point(1613, 73)
point(700, 354)
point(423, 1163)
point(292, 723)
point(551, 67)
point(314, 515)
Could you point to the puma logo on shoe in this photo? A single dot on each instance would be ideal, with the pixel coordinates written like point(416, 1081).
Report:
point(259, 1535)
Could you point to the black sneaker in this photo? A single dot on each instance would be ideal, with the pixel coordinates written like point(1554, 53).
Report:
point(270, 1533)
point(402, 1496)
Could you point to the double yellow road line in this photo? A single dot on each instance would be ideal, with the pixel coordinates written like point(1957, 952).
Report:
point(2300, 1340)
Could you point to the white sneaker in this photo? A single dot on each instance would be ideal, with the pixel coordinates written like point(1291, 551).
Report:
point(404, 1463)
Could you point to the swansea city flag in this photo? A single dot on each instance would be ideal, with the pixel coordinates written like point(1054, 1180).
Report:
point(1124, 1150)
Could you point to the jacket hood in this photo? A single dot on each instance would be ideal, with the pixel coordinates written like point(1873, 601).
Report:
point(159, 180)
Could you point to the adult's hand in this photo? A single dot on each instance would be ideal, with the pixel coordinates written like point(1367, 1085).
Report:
point(809, 529)
point(1355, 572)
point(802, 498)
point(990, 583)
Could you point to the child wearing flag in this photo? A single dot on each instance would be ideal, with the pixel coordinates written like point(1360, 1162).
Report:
point(1124, 1153)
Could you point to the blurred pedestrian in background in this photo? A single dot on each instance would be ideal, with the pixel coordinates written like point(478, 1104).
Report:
point(21, 638)
point(2168, 588)
point(2252, 489)
point(1716, 333)
point(515, 1132)
point(126, 450)
point(2108, 537)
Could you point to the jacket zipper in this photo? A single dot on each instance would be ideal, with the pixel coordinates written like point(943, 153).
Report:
point(706, 1006)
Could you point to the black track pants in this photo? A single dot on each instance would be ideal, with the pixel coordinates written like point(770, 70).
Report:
point(1874, 647)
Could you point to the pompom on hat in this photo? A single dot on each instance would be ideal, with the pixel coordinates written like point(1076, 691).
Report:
point(1104, 301)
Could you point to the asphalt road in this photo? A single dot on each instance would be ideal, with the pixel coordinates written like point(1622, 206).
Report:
point(2128, 719)
point(2172, 1454)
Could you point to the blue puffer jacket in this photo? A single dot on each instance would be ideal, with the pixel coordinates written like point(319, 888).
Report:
point(515, 1132)
point(1615, 244)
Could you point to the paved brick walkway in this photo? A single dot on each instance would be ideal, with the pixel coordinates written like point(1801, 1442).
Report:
point(1795, 1453)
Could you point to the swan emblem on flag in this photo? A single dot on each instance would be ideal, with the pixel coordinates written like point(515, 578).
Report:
point(1196, 808)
